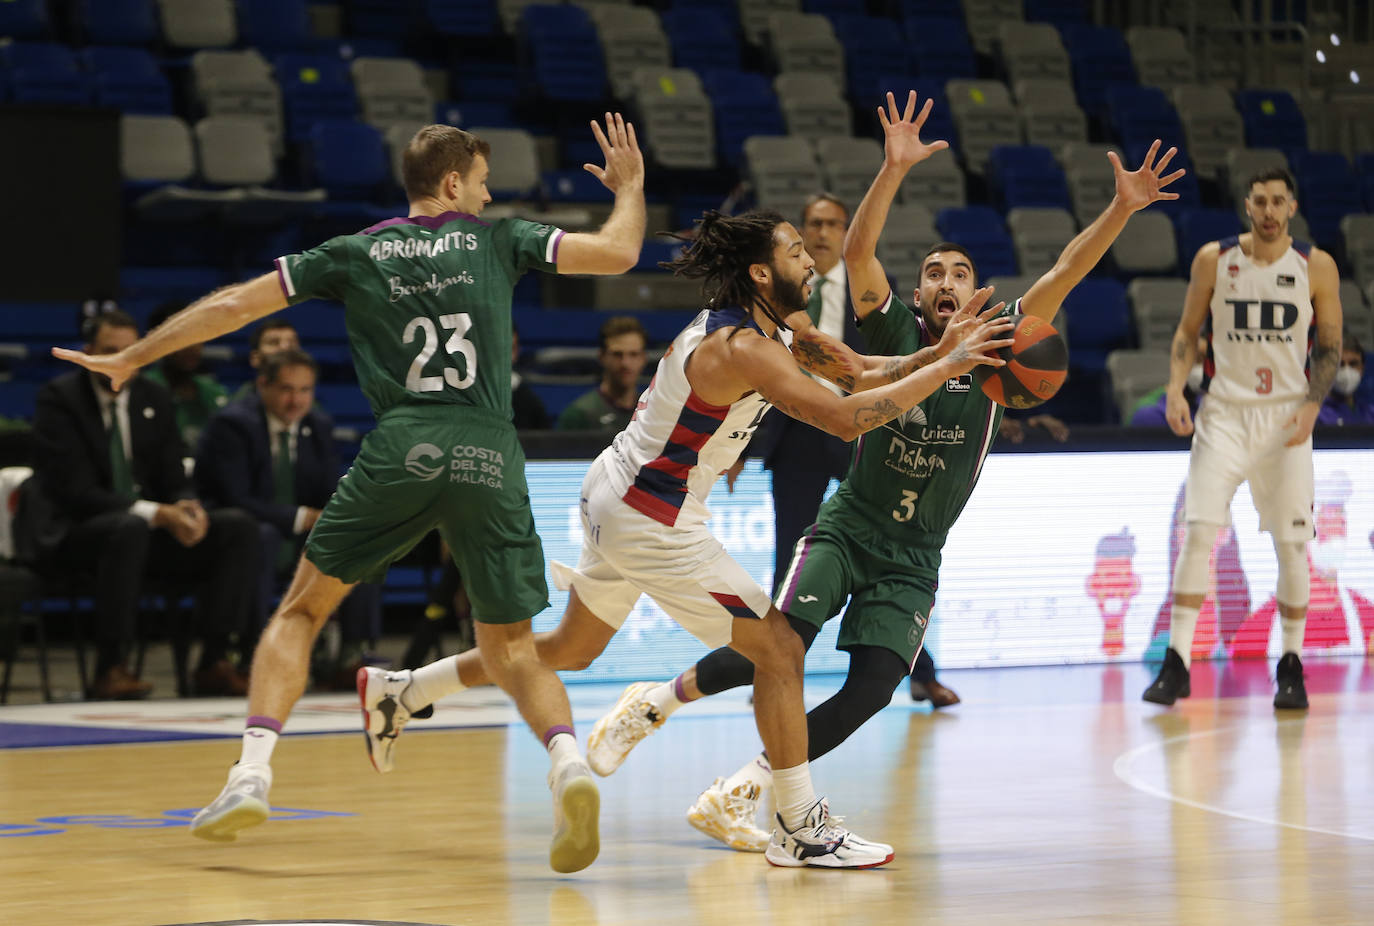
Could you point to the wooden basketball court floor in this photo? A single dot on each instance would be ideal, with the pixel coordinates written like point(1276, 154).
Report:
point(1051, 795)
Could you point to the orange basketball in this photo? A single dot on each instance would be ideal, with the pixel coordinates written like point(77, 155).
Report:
point(1037, 363)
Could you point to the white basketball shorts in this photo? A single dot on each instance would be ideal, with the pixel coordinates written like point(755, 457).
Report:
point(685, 570)
point(1235, 443)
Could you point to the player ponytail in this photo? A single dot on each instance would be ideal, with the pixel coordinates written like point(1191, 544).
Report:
point(721, 253)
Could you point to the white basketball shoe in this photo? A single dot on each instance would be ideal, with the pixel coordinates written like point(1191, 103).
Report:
point(730, 816)
point(384, 716)
point(576, 817)
point(615, 734)
point(821, 842)
point(242, 803)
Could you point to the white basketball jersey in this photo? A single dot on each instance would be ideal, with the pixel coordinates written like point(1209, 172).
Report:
point(676, 446)
point(1259, 327)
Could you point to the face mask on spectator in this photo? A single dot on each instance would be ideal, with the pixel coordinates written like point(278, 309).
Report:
point(1347, 381)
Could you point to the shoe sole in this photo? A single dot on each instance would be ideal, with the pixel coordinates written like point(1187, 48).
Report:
point(1284, 704)
point(578, 844)
point(788, 861)
point(706, 824)
point(226, 826)
point(599, 731)
point(360, 681)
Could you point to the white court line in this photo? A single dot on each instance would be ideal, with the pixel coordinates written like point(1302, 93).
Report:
point(1122, 769)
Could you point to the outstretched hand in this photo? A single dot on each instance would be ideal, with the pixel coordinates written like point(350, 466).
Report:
point(1138, 188)
point(902, 145)
point(969, 316)
point(114, 366)
point(624, 162)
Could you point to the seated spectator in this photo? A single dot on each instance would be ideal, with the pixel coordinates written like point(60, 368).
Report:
point(120, 506)
point(610, 405)
point(272, 335)
point(1343, 405)
point(272, 454)
point(196, 394)
point(527, 408)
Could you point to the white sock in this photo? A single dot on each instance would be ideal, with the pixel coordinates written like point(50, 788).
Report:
point(258, 743)
point(794, 794)
point(430, 683)
point(562, 748)
point(756, 772)
point(666, 697)
point(1293, 632)
point(1182, 623)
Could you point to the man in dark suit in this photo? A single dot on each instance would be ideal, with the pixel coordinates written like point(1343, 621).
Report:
point(110, 467)
point(803, 459)
point(272, 454)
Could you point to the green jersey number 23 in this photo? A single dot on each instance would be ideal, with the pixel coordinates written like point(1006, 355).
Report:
point(459, 324)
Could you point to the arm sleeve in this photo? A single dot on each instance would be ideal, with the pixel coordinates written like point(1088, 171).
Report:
point(319, 273)
point(528, 245)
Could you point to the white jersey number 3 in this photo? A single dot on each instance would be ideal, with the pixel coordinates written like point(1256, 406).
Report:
point(456, 344)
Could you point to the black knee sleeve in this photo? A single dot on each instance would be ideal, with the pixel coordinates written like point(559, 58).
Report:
point(874, 673)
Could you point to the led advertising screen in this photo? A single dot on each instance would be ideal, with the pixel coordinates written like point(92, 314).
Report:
point(1059, 557)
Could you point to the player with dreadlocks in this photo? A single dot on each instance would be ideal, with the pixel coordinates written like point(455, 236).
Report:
point(643, 499)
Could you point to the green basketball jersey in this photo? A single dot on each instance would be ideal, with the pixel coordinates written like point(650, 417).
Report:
point(427, 303)
point(911, 477)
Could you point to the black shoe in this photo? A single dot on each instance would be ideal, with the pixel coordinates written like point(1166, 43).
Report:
point(1292, 692)
point(1172, 682)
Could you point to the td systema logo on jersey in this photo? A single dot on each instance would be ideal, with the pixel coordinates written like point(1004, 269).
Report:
point(425, 461)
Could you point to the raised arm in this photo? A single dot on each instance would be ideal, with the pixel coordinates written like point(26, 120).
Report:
point(1183, 351)
point(902, 149)
point(222, 311)
point(615, 248)
point(1326, 353)
point(765, 366)
point(1134, 191)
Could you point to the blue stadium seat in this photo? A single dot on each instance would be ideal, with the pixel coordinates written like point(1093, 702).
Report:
point(39, 323)
point(391, 19)
point(563, 186)
point(128, 79)
point(1196, 227)
point(1058, 12)
point(1364, 163)
point(313, 87)
point(561, 54)
point(702, 40)
point(44, 72)
point(116, 22)
point(274, 25)
point(1099, 322)
point(349, 158)
point(1187, 187)
point(744, 105)
point(1101, 59)
point(17, 400)
point(473, 112)
point(980, 229)
point(487, 80)
point(872, 48)
point(1138, 113)
point(25, 19)
point(557, 396)
point(909, 9)
point(345, 402)
point(1027, 175)
point(461, 17)
point(1328, 191)
point(940, 47)
point(1272, 120)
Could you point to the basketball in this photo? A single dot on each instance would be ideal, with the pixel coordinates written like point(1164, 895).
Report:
point(1037, 363)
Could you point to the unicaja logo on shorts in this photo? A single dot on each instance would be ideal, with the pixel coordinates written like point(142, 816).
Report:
point(419, 462)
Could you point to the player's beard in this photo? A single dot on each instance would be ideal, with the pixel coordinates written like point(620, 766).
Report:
point(787, 295)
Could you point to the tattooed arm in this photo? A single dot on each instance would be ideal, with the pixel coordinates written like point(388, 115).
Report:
point(1183, 353)
point(765, 366)
point(1326, 353)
